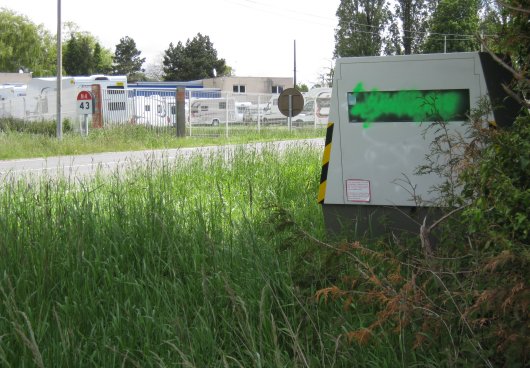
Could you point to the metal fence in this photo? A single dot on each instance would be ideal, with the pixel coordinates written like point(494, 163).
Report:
point(207, 113)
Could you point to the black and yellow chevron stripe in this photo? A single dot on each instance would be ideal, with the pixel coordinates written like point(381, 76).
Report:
point(325, 164)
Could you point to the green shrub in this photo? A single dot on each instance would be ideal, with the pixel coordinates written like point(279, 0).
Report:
point(469, 301)
point(43, 127)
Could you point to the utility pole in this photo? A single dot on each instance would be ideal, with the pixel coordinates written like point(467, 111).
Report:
point(59, 71)
point(294, 64)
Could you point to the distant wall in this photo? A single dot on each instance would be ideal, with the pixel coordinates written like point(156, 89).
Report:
point(10, 78)
point(251, 84)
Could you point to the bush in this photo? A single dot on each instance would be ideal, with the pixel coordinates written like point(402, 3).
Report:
point(468, 300)
point(43, 127)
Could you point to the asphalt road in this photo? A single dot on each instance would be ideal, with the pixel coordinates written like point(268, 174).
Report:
point(87, 165)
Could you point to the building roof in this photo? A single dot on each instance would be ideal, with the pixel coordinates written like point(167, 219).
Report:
point(15, 78)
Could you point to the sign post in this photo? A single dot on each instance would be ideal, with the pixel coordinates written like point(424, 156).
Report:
point(85, 107)
point(290, 103)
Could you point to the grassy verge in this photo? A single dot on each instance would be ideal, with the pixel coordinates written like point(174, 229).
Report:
point(21, 143)
point(192, 264)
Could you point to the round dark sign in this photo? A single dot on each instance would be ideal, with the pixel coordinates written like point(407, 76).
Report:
point(297, 102)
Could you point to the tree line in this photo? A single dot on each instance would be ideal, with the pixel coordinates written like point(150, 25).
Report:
point(375, 27)
point(31, 48)
point(364, 28)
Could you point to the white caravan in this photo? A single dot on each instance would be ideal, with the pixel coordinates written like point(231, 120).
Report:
point(215, 111)
point(41, 99)
point(150, 111)
point(8, 91)
point(271, 112)
point(41, 96)
point(316, 106)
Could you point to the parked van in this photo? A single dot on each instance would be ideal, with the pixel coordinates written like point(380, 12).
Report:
point(214, 111)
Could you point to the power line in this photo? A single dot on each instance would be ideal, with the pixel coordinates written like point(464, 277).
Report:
point(455, 36)
point(263, 8)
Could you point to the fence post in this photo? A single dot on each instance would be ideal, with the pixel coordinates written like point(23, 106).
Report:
point(189, 110)
point(259, 113)
point(227, 114)
point(289, 119)
point(97, 117)
point(181, 112)
point(315, 106)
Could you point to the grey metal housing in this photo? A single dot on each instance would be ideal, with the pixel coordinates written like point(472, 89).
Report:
point(371, 171)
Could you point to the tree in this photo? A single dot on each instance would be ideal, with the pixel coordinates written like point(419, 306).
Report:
point(78, 57)
point(409, 26)
point(173, 62)
point(197, 60)
point(360, 27)
point(127, 60)
point(83, 55)
point(453, 27)
point(25, 46)
point(102, 60)
point(302, 87)
point(506, 25)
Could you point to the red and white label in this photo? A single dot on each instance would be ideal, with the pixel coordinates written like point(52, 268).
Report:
point(358, 190)
point(84, 103)
point(84, 96)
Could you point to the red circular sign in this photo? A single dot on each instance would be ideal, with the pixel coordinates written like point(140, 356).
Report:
point(84, 96)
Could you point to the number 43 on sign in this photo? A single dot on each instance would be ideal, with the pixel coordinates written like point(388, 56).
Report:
point(84, 103)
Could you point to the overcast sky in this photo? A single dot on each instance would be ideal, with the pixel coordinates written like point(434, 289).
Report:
point(255, 37)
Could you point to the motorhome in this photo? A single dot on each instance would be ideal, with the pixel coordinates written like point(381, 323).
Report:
point(150, 110)
point(12, 102)
point(109, 93)
point(41, 98)
point(215, 111)
point(271, 112)
point(254, 113)
point(315, 110)
point(8, 91)
point(316, 106)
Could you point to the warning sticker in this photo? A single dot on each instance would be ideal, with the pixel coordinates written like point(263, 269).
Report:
point(358, 190)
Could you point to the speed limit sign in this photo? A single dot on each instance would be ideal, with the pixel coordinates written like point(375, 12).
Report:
point(84, 103)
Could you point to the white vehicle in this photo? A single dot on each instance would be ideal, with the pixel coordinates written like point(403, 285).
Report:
point(215, 111)
point(253, 113)
point(111, 95)
point(12, 101)
point(171, 106)
point(40, 101)
point(316, 106)
point(151, 111)
point(8, 91)
point(271, 112)
point(109, 92)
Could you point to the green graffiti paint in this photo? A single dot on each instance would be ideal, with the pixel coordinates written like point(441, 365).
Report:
point(358, 88)
point(418, 106)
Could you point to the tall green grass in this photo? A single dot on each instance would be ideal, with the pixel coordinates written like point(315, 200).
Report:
point(20, 140)
point(177, 263)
